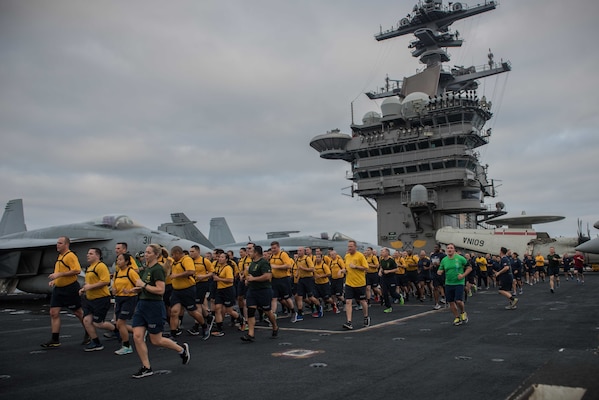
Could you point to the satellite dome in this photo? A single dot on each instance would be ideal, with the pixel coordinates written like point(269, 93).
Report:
point(391, 106)
point(416, 96)
point(371, 117)
point(414, 103)
point(418, 194)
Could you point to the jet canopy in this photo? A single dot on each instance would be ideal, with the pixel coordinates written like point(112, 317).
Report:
point(338, 236)
point(115, 221)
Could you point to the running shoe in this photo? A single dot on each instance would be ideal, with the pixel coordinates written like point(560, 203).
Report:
point(206, 332)
point(50, 345)
point(124, 350)
point(514, 302)
point(112, 335)
point(297, 318)
point(186, 356)
point(464, 317)
point(93, 346)
point(275, 333)
point(218, 333)
point(348, 325)
point(194, 331)
point(457, 321)
point(388, 310)
point(437, 307)
point(247, 338)
point(143, 372)
point(366, 321)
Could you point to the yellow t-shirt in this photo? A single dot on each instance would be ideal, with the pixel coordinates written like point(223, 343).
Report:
point(203, 266)
point(401, 265)
point(373, 264)
point(184, 264)
point(167, 269)
point(539, 261)
point(280, 259)
point(226, 272)
point(411, 262)
point(321, 269)
point(95, 273)
point(133, 263)
point(305, 262)
point(482, 264)
point(355, 277)
point(66, 262)
point(125, 280)
point(336, 266)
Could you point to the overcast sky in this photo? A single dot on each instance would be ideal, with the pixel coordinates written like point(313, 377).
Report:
point(208, 107)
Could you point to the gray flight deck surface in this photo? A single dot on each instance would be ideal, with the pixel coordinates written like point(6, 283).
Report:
point(411, 353)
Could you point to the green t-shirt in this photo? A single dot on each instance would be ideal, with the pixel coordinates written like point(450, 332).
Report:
point(258, 268)
point(150, 275)
point(453, 267)
point(387, 264)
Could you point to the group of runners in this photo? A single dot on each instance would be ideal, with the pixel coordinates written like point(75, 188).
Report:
point(158, 287)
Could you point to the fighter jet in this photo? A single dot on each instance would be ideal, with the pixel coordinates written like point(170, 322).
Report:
point(220, 236)
point(28, 257)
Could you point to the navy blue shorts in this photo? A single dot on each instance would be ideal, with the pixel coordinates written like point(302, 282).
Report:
point(281, 288)
point(372, 279)
point(412, 276)
point(553, 271)
point(166, 297)
point(424, 276)
point(124, 307)
point(323, 290)
point(212, 291)
point(151, 314)
point(402, 280)
point(505, 283)
point(305, 287)
point(260, 298)
point(225, 296)
point(186, 297)
point(202, 289)
point(389, 280)
point(454, 293)
point(98, 308)
point(337, 287)
point(242, 288)
point(358, 293)
point(66, 296)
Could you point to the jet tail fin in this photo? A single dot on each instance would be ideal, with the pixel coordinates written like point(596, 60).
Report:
point(220, 233)
point(185, 228)
point(13, 219)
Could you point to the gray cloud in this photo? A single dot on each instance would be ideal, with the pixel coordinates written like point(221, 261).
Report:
point(208, 107)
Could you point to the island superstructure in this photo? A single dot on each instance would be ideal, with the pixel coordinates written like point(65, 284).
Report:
point(415, 162)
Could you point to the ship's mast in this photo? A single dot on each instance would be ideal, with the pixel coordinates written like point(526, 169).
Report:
point(416, 162)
